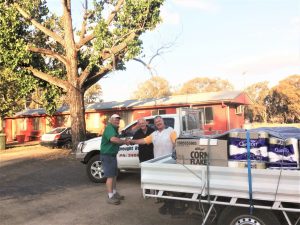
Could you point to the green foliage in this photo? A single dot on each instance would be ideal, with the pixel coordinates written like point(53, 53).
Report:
point(15, 34)
point(12, 45)
point(136, 16)
point(156, 87)
point(32, 39)
point(277, 107)
point(93, 94)
point(283, 101)
point(257, 92)
point(11, 100)
point(205, 84)
point(280, 104)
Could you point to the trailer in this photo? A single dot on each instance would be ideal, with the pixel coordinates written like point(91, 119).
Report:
point(223, 194)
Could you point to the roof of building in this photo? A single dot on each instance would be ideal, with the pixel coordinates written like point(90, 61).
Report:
point(200, 98)
point(31, 112)
point(189, 99)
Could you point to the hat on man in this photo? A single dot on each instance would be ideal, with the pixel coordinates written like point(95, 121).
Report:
point(115, 116)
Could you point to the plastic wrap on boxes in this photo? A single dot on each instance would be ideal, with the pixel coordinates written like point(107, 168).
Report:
point(283, 153)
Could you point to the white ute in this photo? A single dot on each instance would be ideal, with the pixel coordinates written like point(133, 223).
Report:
point(88, 152)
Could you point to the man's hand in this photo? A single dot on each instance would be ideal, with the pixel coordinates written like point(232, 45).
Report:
point(127, 141)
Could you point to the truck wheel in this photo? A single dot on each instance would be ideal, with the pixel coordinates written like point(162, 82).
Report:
point(241, 216)
point(94, 170)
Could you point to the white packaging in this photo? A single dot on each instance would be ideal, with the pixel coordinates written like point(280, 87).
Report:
point(258, 146)
point(283, 153)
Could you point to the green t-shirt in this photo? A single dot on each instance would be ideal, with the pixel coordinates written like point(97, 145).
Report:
point(107, 147)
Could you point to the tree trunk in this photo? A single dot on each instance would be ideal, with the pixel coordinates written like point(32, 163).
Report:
point(1, 125)
point(77, 113)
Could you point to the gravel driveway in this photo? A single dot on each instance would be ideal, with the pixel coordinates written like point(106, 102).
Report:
point(39, 185)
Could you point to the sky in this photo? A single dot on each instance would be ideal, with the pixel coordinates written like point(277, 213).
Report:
point(243, 41)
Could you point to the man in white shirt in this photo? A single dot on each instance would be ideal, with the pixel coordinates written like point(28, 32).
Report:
point(163, 138)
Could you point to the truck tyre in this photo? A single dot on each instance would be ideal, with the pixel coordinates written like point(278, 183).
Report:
point(94, 170)
point(241, 216)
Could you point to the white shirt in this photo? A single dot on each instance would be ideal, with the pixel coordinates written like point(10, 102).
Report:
point(162, 141)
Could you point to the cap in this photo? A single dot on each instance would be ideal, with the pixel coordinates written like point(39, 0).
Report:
point(115, 116)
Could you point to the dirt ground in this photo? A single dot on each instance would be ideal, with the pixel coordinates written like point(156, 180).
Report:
point(39, 185)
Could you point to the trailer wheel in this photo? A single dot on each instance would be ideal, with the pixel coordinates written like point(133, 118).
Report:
point(241, 216)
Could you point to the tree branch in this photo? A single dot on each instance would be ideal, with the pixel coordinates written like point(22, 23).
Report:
point(69, 33)
point(114, 12)
point(83, 25)
point(106, 54)
point(118, 48)
point(101, 73)
point(90, 37)
point(40, 26)
point(35, 101)
point(46, 77)
point(145, 65)
point(85, 40)
point(160, 51)
point(48, 52)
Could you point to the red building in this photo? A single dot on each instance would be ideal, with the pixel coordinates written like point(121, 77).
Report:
point(220, 111)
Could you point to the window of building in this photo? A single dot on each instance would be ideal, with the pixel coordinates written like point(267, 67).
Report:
point(209, 116)
point(206, 115)
point(239, 109)
point(162, 111)
point(62, 121)
point(23, 123)
point(36, 123)
point(154, 112)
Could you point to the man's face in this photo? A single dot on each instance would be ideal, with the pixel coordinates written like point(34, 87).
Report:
point(142, 124)
point(159, 123)
point(115, 122)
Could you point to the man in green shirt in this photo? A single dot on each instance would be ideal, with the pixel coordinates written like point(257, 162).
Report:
point(109, 149)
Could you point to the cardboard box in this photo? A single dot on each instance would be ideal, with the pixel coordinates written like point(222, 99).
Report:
point(195, 151)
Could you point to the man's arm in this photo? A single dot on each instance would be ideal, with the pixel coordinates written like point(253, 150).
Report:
point(173, 137)
point(119, 141)
point(147, 140)
point(138, 141)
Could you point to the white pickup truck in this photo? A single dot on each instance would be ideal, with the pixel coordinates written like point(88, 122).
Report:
point(185, 121)
point(221, 195)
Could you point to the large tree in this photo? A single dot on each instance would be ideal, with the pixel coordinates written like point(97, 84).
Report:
point(205, 84)
point(258, 110)
point(34, 42)
point(283, 101)
point(155, 87)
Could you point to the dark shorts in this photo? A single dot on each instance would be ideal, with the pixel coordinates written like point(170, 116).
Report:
point(110, 165)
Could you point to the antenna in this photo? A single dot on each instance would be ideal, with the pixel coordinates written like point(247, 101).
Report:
point(244, 93)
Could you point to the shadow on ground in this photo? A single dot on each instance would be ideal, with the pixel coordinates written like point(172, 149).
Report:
point(40, 173)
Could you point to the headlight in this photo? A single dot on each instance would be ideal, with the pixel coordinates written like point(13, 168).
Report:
point(80, 146)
